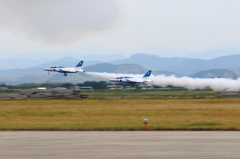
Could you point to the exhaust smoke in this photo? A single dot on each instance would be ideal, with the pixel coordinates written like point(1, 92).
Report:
point(216, 84)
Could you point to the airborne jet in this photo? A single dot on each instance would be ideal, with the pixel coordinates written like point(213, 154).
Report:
point(66, 70)
point(132, 80)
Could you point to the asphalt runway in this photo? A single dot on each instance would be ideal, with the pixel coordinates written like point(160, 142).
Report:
point(120, 144)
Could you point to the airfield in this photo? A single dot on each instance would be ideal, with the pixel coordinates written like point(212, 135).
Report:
point(120, 144)
point(172, 93)
point(109, 124)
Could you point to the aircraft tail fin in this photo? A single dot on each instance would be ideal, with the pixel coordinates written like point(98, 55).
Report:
point(80, 64)
point(148, 73)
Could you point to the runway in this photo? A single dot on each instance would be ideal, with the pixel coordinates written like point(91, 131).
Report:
point(120, 144)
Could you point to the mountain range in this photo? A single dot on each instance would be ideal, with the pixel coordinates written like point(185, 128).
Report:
point(213, 73)
point(98, 53)
point(135, 64)
point(180, 65)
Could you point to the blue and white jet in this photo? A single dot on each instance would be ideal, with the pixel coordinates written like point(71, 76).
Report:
point(132, 80)
point(65, 70)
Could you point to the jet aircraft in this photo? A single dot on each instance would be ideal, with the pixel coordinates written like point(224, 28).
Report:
point(65, 70)
point(132, 80)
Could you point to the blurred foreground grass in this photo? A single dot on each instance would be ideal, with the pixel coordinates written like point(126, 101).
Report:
point(174, 114)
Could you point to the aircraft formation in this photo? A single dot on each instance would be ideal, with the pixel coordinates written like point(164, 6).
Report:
point(123, 79)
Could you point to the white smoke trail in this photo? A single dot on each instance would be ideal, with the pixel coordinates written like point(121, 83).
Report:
point(107, 76)
point(216, 84)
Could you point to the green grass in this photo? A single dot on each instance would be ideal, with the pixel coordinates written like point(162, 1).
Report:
point(121, 114)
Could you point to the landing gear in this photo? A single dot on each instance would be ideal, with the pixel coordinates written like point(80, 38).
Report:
point(48, 72)
point(65, 74)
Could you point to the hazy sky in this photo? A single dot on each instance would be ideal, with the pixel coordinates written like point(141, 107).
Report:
point(38, 25)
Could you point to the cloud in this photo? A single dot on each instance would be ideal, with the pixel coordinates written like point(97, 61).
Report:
point(59, 21)
point(196, 2)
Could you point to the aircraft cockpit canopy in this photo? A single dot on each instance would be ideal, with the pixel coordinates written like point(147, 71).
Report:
point(57, 67)
point(120, 77)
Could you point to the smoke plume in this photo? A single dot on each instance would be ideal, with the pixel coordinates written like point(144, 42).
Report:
point(216, 84)
point(58, 21)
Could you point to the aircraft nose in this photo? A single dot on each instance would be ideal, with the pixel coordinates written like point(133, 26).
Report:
point(46, 69)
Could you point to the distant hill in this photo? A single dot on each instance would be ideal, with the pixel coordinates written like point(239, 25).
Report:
point(217, 51)
point(110, 68)
point(212, 73)
point(163, 51)
point(180, 65)
point(235, 69)
point(125, 69)
point(98, 53)
point(152, 62)
point(104, 58)
point(20, 63)
point(18, 72)
point(191, 66)
point(27, 63)
point(166, 73)
point(41, 78)
point(136, 64)
point(90, 52)
point(207, 55)
point(12, 63)
point(5, 53)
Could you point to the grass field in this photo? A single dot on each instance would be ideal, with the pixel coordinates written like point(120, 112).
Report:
point(174, 114)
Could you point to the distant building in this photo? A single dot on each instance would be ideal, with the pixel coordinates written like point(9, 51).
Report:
point(114, 87)
point(41, 88)
point(3, 88)
point(129, 87)
point(59, 88)
point(86, 88)
point(145, 87)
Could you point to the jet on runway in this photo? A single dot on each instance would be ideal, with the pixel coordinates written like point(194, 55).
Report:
point(66, 70)
point(132, 80)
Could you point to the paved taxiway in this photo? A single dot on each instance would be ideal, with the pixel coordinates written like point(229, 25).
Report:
point(119, 144)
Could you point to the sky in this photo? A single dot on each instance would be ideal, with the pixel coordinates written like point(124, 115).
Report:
point(40, 25)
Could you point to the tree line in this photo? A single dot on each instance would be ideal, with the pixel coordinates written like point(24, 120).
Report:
point(93, 84)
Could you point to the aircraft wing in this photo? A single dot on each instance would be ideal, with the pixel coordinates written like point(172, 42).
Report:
point(133, 80)
point(62, 69)
point(130, 80)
